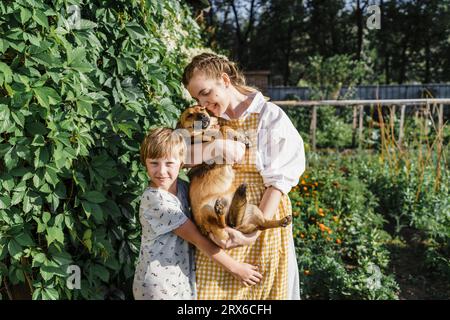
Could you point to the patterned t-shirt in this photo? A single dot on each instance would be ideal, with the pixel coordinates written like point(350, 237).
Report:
point(166, 266)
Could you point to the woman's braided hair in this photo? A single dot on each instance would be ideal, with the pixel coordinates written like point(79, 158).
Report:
point(213, 65)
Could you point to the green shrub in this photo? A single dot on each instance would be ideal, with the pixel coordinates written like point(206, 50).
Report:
point(76, 98)
point(409, 197)
point(339, 237)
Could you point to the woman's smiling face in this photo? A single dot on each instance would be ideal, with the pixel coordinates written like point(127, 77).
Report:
point(210, 93)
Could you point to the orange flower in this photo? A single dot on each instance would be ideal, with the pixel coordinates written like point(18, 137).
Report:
point(303, 182)
point(305, 188)
point(306, 176)
point(338, 241)
point(316, 183)
point(306, 272)
point(329, 231)
point(322, 227)
point(302, 235)
point(335, 218)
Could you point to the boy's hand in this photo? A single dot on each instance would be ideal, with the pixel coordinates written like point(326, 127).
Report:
point(247, 274)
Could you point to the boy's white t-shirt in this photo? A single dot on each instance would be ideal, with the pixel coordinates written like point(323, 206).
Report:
point(166, 265)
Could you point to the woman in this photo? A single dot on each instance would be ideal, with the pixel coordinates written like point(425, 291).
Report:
point(271, 167)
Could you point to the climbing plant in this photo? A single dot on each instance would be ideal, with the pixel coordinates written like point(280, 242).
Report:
point(80, 84)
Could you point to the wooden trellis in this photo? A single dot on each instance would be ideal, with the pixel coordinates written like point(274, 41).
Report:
point(358, 108)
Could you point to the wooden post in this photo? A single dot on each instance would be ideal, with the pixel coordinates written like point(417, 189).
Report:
point(355, 124)
point(392, 121)
point(426, 114)
point(361, 115)
point(441, 117)
point(313, 128)
point(402, 120)
point(440, 133)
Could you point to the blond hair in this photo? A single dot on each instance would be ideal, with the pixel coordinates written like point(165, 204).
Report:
point(163, 143)
point(213, 65)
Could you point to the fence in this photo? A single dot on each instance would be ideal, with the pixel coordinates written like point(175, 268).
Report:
point(365, 92)
point(358, 113)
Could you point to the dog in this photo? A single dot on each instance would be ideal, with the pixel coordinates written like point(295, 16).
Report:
point(215, 200)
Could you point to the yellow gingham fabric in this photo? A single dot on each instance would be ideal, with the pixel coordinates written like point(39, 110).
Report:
point(269, 252)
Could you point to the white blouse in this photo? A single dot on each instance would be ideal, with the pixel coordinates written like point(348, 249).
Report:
point(280, 155)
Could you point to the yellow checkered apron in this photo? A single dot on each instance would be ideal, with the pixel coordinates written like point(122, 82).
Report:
point(269, 252)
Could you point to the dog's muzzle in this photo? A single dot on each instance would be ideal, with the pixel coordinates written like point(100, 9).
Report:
point(205, 120)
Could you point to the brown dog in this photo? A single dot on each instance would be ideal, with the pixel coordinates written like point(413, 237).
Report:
point(215, 201)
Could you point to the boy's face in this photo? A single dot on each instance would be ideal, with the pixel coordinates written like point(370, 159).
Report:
point(163, 172)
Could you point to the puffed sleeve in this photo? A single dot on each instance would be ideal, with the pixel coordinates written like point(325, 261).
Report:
point(161, 212)
point(280, 152)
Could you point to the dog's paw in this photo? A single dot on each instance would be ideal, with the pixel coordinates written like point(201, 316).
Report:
point(286, 221)
point(219, 207)
point(242, 190)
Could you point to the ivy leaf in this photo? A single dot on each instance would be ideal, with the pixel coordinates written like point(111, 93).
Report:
point(93, 209)
point(17, 197)
point(50, 294)
point(7, 182)
point(24, 239)
point(135, 31)
point(47, 96)
point(15, 249)
point(61, 258)
point(94, 197)
point(46, 217)
point(51, 175)
point(25, 15)
point(40, 18)
point(84, 108)
point(5, 202)
point(55, 233)
point(38, 141)
point(27, 205)
point(5, 73)
point(39, 259)
point(101, 272)
point(3, 45)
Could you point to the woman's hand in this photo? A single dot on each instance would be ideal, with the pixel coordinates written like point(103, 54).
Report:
point(246, 273)
point(236, 238)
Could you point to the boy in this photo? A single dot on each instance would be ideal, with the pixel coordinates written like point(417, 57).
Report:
point(166, 269)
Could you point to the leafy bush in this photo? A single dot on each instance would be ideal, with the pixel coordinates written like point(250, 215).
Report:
point(79, 87)
point(339, 238)
point(410, 197)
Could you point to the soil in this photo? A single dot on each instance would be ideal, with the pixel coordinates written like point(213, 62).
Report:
point(416, 281)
